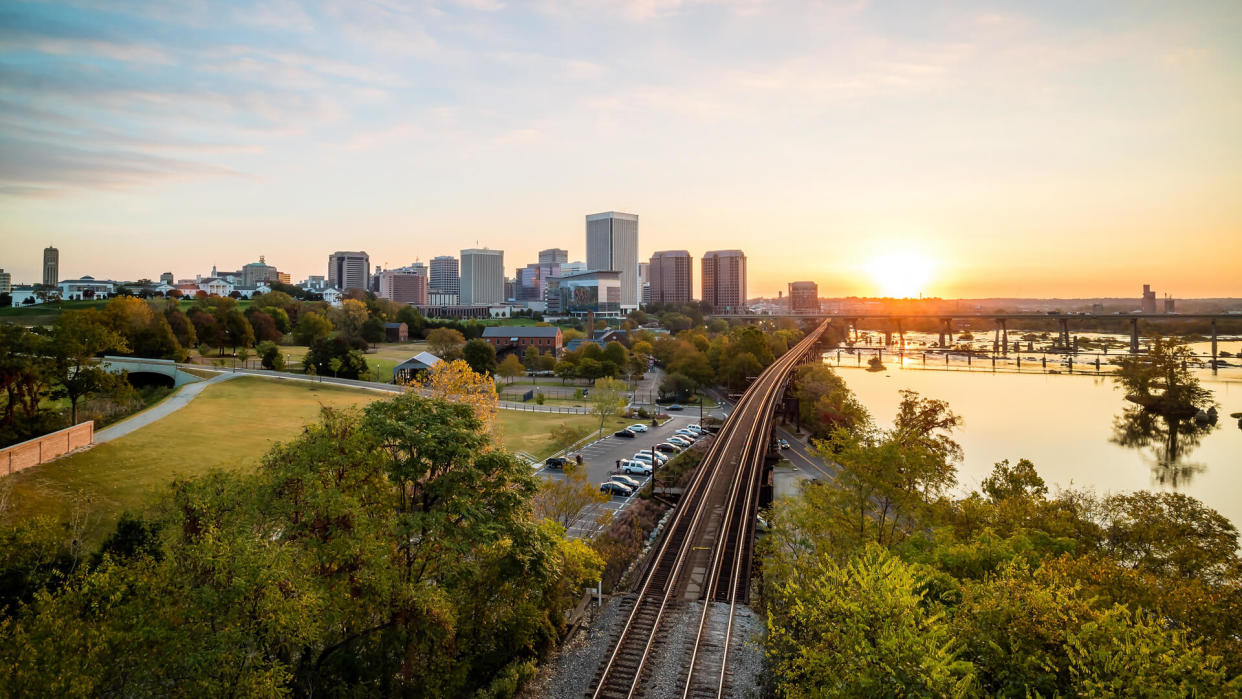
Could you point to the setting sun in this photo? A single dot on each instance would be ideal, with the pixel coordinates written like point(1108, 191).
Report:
point(900, 275)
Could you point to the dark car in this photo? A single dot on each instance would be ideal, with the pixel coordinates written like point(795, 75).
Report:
point(674, 408)
point(668, 448)
point(615, 488)
point(556, 462)
point(623, 433)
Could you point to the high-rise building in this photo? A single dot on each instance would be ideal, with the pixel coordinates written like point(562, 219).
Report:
point(803, 297)
point(51, 266)
point(612, 244)
point(6, 282)
point(724, 280)
point(1149, 299)
point(166, 278)
point(403, 286)
point(553, 256)
point(482, 277)
point(349, 270)
point(671, 274)
point(444, 275)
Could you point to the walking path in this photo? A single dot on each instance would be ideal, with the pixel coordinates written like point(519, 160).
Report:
point(170, 405)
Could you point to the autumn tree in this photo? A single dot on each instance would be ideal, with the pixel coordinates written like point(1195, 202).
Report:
point(563, 499)
point(445, 343)
point(455, 381)
point(608, 399)
point(77, 339)
point(312, 326)
point(511, 367)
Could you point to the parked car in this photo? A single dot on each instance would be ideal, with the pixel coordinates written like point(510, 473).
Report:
point(688, 434)
point(624, 480)
point(681, 442)
point(624, 433)
point(615, 488)
point(674, 408)
point(556, 462)
point(697, 428)
point(668, 448)
point(646, 457)
point(637, 428)
point(641, 468)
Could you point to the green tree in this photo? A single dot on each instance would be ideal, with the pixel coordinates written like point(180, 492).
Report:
point(480, 355)
point(1017, 481)
point(270, 356)
point(1161, 380)
point(312, 326)
point(861, 629)
point(608, 399)
point(530, 358)
point(77, 339)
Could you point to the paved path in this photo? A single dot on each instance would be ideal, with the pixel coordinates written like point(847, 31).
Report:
point(170, 405)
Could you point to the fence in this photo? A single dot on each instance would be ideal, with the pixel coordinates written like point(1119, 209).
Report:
point(39, 450)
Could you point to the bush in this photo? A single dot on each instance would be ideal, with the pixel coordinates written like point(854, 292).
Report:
point(271, 357)
point(623, 540)
point(539, 399)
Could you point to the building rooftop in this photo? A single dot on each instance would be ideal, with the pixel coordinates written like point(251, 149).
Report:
point(521, 331)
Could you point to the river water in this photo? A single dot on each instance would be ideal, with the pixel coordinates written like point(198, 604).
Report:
point(1072, 427)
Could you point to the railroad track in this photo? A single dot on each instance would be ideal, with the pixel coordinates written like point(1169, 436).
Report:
point(706, 550)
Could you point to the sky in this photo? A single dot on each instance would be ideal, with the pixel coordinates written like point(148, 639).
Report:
point(953, 149)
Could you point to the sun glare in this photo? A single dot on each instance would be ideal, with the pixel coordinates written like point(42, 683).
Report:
point(901, 275)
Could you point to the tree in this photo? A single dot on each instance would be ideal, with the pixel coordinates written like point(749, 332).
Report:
point(825, 403)
point(511, 367)
point(373, 330)
point(237, 330)
point(676, 387)
point(350, 364)
point(1161, 381)
point(530, 358)
point(861, 629)
point(350, 317)
point(413, 320)
point(738, 368)
point(563, 499)
point(1018, 481)
point(77, 338)
point(455, 381)
point(264, 327)
point(607, 398)
point(445, 343)
point(269, 354)
point(312, 327)
point(1169, 534)
point(480, 355)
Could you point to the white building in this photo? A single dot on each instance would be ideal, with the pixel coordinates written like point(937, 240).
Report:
point(612, 244)
point(86, 288)
point(482, 277)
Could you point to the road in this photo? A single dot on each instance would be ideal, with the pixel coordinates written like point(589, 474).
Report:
point(163, 409)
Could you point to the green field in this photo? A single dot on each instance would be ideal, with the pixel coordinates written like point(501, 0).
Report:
point(381, 362)
point(229, 426)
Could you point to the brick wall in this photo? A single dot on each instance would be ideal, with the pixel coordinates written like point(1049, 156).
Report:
point(43, 449)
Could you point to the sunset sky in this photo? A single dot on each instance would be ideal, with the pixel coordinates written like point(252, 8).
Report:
point(1062, 148)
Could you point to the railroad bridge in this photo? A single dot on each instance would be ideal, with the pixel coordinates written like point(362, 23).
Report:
point(705, 552)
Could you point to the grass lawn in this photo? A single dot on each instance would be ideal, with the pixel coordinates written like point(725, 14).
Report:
point(532, 432)
point(229, 426)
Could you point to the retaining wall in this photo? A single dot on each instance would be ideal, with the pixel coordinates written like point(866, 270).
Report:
point(43, 449)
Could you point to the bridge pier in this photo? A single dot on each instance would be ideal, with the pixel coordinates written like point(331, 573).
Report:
point(1065, 336)
point(946, 327)
point(1134, 336)
point(1213, 345)
point(1004, 335)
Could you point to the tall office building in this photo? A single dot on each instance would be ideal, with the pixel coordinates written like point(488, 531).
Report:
point(553, 256)
point(724, 280)
point(671, 273)
point(482, 277)
point(6, 282)
point(612, 244)
point(444, 275)
point(51, 266)
point(404, 285)
point(803, 297)
point(349, 270)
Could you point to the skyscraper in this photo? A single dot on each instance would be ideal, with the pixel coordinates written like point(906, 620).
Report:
point(553, 256)
point(612, 244)
point(482, 277)
point(444, 275)
point(724, 280)
point(407, 285)
point(803, 297)
point(671, 274)
point(51, 266)
point(349, 270)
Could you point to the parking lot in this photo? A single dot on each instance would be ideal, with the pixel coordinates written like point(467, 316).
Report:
point(600, 460)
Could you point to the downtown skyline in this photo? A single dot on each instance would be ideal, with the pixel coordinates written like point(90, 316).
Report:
point(1053, 151)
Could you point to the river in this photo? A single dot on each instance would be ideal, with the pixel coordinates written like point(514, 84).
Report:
point(1067, 425)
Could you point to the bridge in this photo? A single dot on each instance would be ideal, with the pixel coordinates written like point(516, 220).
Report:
point(945, 321)
point(140, 365)
point(705, 551)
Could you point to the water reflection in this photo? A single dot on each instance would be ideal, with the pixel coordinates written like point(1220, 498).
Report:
point(1166, 443)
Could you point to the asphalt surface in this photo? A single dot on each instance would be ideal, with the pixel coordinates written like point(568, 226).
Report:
point(600, 459)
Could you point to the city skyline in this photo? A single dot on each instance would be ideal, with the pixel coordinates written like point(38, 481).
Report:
point(1015, 150)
